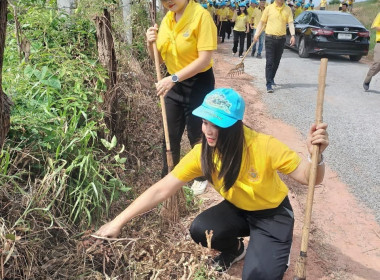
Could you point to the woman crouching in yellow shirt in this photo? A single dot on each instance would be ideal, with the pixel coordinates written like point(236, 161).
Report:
point(241, 28)
point(242, 165)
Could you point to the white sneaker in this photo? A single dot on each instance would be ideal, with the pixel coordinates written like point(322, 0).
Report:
point(199, 187)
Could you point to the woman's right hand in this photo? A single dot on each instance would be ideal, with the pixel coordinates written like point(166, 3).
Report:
point(109, 229)
point(151, 34)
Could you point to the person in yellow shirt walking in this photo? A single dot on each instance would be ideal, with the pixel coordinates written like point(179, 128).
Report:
point(223, 20)
point(186, 40)
point(256, 16)
point(323, 5)
point(298, 10)
point(275, 17)
point(350, 5)
point(241, 28)
point(252, 7)
point(245, 174)
point(231, 11)
point(375, 66)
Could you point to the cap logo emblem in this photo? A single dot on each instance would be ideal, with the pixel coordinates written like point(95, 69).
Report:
point(219, 101)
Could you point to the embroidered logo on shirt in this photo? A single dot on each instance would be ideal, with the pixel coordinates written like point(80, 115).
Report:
point(253, 175)
point(186, 33)
point(219, 101)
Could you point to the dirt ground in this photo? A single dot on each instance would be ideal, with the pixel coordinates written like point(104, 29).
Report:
point(344, 241)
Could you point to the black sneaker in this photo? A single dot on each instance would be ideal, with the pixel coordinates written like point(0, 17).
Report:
point(224, 260)
point(366, 86)
point(253, 54)
point(258, 56)
point(269, 89)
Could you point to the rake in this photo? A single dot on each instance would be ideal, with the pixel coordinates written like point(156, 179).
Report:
point(239, 68)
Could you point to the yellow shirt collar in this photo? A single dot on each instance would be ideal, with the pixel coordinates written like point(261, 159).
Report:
point(176, 27)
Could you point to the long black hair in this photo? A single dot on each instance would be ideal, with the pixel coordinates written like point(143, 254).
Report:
point(229, 150)
point(245, 11)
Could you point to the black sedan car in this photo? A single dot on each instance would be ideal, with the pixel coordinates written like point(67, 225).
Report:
point(327, 32)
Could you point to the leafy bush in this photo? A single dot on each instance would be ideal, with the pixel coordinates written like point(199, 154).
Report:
point(55, 121)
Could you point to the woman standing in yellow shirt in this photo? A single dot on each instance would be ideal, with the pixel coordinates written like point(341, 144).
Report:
point(242, 165)
point(241, 28)
point(185, 41)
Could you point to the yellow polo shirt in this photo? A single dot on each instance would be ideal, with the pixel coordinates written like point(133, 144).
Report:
point(230, 14)
point(276, 19)
point(256, 17)
point(376, 23)
point(223, 14)
point(241, 23)
point(323, 3)
point(211, 10)
point(298, 11)
point(258, 185)
point(179, 42)
point(250, 12)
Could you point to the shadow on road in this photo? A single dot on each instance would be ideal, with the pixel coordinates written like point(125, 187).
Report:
point(330, 57)
point(294, 85)
point(373, 91)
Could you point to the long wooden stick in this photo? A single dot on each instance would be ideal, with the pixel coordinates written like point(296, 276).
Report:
point(169, 156)
point(170, 209)
point(300, 272)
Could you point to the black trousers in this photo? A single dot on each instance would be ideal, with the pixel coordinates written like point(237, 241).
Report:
point(249, 37)
point(273, 53)
point(270, 232)
point(180, 102)
point(239, 37)
point(224, 29)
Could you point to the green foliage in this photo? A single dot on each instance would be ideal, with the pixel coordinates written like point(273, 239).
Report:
point(55, 119)
point(334, 2)
point(202, 274)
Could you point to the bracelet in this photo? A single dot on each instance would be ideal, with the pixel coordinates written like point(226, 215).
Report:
point(319, 163)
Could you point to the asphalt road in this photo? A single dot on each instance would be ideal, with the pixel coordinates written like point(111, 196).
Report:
point(352, 114)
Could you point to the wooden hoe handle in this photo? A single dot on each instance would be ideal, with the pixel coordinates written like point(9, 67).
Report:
point(169, 156)
point(300, 272)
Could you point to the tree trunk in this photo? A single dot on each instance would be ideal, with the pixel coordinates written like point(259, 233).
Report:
point(5, 102)
point(107, 57)
point(127, 16)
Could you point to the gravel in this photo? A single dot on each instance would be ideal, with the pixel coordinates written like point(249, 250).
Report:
point(352, 114)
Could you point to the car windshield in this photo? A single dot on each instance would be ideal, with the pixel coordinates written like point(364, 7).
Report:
point(337, 19)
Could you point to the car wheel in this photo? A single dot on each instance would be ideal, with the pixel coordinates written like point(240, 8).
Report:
point(302, 52)
point(355, 57)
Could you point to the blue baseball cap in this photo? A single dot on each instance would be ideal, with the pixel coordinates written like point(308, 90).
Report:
point(242, 5)
point(222, 106)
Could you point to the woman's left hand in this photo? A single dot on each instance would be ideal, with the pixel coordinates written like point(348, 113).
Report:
point(164, 86)
point(318, 136)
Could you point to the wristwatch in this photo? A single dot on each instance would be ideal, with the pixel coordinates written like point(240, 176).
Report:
point(175, 78)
